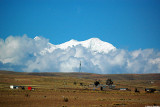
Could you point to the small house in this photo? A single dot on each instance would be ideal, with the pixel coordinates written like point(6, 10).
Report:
point(14, 87)
point(22, 87)
point(150, 90)
point(125, 89)
point(29, 88)
point(11, 87)
point(112, 86)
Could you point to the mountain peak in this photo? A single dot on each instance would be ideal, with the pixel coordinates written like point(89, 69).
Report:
point(37, 38)
point(73, 40)
point(97, 45)
point(70, 43)
point(92, 44)
point(94, 39)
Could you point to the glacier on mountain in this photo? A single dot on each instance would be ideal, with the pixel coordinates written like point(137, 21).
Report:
point(95, 45)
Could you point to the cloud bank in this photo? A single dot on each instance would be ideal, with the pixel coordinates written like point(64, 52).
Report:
point(25, 54)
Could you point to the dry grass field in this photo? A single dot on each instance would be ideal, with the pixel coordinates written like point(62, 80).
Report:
point(64, 90)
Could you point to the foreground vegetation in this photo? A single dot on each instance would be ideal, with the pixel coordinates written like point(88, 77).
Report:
point(74, 89)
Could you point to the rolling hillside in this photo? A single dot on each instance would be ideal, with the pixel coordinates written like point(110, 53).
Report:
point(155, 76)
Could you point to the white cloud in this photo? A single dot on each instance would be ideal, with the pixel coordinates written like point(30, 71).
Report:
point(38, 55)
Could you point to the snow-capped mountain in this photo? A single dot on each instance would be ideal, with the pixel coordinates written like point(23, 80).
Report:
point(93, 44)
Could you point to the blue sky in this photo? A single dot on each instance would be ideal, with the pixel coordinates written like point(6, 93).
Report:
point(127, 24)
point(132, 26)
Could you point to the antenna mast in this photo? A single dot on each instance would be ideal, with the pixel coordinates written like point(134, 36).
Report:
point(80, 67)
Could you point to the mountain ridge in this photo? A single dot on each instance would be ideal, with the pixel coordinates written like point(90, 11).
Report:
point(150, 76)
point(93, 44)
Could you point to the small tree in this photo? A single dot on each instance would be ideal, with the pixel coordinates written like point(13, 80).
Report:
point(96, 83)
point(75, 83)
point(109, 82)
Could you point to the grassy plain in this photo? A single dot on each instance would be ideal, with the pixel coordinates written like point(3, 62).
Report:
point(59, 90)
